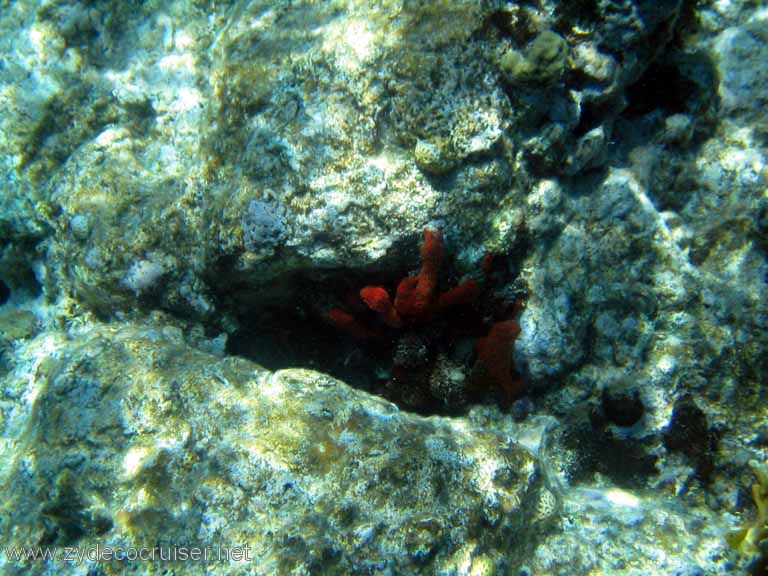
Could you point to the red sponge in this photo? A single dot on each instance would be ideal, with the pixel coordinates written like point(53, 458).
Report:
point(494, 356)
point(415, 296)
point(377, 298)
point(347, 323)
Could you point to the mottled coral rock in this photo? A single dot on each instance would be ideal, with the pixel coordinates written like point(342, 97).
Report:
point(544, 61)
point(148, 441)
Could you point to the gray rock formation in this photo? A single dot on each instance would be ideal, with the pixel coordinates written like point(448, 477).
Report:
point(186, 182)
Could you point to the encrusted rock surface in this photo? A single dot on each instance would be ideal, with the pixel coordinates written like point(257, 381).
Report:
point(122, 435)
point(174, 136)
point(236, 169)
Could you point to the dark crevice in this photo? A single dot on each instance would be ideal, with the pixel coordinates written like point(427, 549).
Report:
point(516, 26)
point(592, 116)
point(582, 12)
point(287, 324)
point(5, 292)
point(16, 272)
point(691, 434)
point(498, 22)
point(661, 87)
point(688, 22)
point(677, 83)
point(592, 437)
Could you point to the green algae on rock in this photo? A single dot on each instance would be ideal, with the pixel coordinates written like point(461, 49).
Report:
point(542, 63)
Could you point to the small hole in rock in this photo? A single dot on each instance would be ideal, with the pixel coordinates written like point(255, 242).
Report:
point(676, 84)
point(660, 87)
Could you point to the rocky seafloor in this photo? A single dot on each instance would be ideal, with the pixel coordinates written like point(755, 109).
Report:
point(400, 287)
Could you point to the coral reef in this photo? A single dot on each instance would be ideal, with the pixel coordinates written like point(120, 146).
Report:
point(544, 62)
point(229, 171)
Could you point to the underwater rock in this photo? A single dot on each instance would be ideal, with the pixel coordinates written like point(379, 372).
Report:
point(431, 158)
point(263, 226)
point(240, 166)
point(642, 26)
point(321, 139)
point(543, 62)
point(550, 340)
point(742, 52)
point(150, 442)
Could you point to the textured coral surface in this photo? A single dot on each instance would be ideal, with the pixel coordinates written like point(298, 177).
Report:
point(232, 232)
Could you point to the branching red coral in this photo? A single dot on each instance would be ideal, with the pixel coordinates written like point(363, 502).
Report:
point(345, 322)
point(487, 263)
point(407, 303)
point(465, 293)
point(416, 299)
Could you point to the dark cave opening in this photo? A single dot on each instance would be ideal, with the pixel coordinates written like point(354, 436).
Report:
point(17, 273)
point(678, 83)
point(428, 365)
point(583, 12)
point(516, 25)
point(661, 87)
point(280, 337)
point(299, 338)
point(592, 116)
